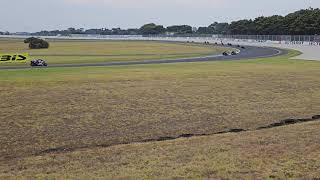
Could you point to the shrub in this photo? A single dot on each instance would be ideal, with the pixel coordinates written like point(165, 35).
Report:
point(36, 43)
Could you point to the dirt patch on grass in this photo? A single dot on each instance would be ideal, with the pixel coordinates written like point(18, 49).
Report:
point(169, 138)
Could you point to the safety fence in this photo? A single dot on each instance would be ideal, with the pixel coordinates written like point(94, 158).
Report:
point(283, 39)
point(305, 38)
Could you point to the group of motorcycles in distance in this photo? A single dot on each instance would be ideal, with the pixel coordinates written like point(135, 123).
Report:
point(227, 53)
point(232, 53)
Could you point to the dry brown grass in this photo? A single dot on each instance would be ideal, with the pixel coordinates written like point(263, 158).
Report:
point(88, 107)
point(77, 107)
point(291, 152)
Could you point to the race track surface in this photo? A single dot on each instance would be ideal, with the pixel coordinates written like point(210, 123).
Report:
point(250, 52)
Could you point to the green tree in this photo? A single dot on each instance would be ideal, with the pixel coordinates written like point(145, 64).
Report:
point(306, 21)
point(205, 30)
point(149, 29)
point(269, 25)
point(180, 29)
point(219, 28)
point(242, 27)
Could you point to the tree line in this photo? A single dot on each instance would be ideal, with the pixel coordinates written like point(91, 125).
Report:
point(302, 22)
point(4, 33)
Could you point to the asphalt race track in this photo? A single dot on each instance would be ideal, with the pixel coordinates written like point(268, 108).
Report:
point(250, 52)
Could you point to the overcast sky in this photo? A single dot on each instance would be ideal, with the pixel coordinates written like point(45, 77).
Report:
point(36, 15)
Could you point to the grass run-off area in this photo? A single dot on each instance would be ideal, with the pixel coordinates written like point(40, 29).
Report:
point(98, 112)
point(89, 51)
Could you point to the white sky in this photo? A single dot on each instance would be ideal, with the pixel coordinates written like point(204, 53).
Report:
point(36, 15)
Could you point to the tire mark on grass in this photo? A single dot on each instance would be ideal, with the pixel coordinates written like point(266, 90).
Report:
point(280, 123)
